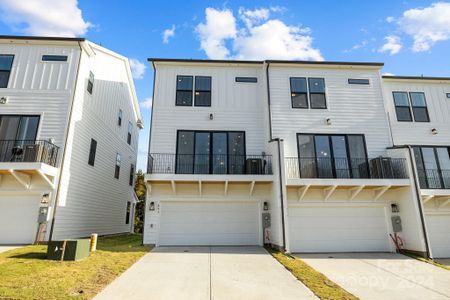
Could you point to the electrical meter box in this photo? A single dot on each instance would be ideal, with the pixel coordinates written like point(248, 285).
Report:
point(396, 224)
point(43, 214)
point(266, 220)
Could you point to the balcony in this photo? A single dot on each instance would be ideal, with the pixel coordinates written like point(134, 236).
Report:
point(434, 178)
point(30, 151)
point(378, 174)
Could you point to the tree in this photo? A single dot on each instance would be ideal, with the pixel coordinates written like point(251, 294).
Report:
point(141, 191)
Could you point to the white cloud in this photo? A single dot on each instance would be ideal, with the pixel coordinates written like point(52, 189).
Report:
point(390, 19)
point(427, 25)
point(388, 74)
point(168, 33)
point(147, 103)
point(259, 37)
point(137, 68)
point(220, 25)
point(45, 17)
point(393, 45)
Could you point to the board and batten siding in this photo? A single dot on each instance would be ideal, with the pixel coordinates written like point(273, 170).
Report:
point(235, 106)
point(91, 199)
point(419, 133)
point(352, 108)
point(41, 88)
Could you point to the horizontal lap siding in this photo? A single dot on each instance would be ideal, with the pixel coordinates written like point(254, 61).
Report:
point(357, 109)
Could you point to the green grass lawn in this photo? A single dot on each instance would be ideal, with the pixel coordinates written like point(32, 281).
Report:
point(27, 274)
point(318, 283)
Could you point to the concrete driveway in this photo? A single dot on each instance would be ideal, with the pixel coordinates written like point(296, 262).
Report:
point(207, 273)
point(4, 248)
point(382, 275)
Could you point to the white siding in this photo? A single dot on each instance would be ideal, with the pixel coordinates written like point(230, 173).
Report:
point(419, 133)
point(356, 109)
point(91, 199)
point(235, 106)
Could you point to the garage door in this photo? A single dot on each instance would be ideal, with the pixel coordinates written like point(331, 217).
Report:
point(18, 219)
point(338, 229)
point(439, 234)
point(200, 223)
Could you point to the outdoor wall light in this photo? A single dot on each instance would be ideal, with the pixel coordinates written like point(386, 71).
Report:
point(3, 100)
point(265, 205)
point(211, 116)
point(328, 121)
point(152, 206)
point(395, 208)
point(45, 198)
point(434, 131)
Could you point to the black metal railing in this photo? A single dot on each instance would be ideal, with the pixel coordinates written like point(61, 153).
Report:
point(164, 163)
point(28, 151)
point(313, 167)
point(434, 178)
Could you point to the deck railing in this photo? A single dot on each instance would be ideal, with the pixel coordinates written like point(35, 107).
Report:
point(28, 151)
point(434, 178)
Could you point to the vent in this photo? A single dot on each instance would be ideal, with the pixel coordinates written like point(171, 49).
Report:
point(54, 57)
point(358, 81)
point(246, 79)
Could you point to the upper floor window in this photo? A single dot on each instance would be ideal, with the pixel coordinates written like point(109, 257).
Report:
point(131, 179)
point(18, 128)
point(300, 96)
point(119, 118)
point(403, 103)
point(358, 81)
point(54, 58)
point(185, 91)
point(90, 85)
point(130, 130)
point(117, 168)
point(6, 61)
point(92, 152)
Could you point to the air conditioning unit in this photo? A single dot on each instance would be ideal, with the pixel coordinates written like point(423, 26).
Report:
point(254, 166)
point(382, 167)
point(34, 153)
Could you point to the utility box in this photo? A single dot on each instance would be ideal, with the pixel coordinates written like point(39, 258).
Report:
point(75, 249)
point(266, 220)
point(396, 224)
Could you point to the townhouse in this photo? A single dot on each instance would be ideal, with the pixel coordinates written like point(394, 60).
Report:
point(296, 154)
point(69, 125)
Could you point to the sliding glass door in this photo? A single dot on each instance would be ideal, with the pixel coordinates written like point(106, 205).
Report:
point(433, 167)
point(16, 131)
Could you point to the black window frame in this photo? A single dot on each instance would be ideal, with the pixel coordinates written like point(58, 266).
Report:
point(90, 83)
point(197, 91)
point(294, 94)
point(359, 81)
point(24, 116)
point(117, 166)
point(92, 152)
point(130, 132)
point(332, 158)
point(8, 71)
point(54, 58)
point(424, 177)
point(246, 79)
point(128, 213)
point(402, 106)
point(119, 118)
point(131, 179)
point(317, 93)
point(191, 91)
point(419, 107)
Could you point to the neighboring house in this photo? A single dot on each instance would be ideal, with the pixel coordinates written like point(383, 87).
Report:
point(69, 125)
point(419, 114)
point(306, 142)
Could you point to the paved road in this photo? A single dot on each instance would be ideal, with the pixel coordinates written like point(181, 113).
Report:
point(382, 275)
point(4, 248)
point(207, 273)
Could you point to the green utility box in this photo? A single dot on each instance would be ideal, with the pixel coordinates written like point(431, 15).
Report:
point(75, 249)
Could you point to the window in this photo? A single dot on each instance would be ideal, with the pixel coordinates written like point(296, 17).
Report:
point(210, 152)
point(246, 79)
point(419, 107)
point(317, 93)
point(92, 151)
point(117, 168)
point(448, 95)
point(119, 118)
point(358, 81)
point(128, 213)
point(184, 91)
point(332, 156)
point(6, 61)
point(402, 108)
point(130, 182)
point(54, 57)
point(202, 91)
point(18, 128)
point(130, 130)
point(90, 85)
point(299, 92)
point(433, 167)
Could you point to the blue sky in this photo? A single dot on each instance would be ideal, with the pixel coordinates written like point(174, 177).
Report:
point(410, 37)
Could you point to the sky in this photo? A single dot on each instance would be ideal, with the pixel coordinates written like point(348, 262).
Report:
point(410, 37)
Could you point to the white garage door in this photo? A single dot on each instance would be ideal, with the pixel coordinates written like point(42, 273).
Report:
point(338, 229)
point(18, 219)
point(200, 223)
point(439, 234)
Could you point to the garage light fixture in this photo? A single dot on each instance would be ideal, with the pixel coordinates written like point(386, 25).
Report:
point(394, 208)
point(265, 205)
point(152, 206)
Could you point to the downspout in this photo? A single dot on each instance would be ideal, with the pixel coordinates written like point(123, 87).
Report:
point(65, 147)
point(417, 190)
point(280, 174)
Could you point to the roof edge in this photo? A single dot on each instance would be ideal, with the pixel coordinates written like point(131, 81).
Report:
point(415, 77)
point(41, 38)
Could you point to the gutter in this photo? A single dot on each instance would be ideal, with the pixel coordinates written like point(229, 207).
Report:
point(280, 174)
point(65, 146)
